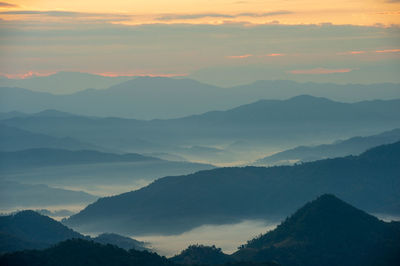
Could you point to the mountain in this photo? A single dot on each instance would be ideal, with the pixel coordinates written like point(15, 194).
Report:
point(155, 97)
point(55, 157)
point(13, 139)
point(80, 252)
point(327, 231)
point(352, 146)
point(282, 89)
point(133, 98)
point(201, 255)
point(178, 203)
point(16, 195)
point(94, 172)
point(63, 82)
point(302, 119)
point(29, 229)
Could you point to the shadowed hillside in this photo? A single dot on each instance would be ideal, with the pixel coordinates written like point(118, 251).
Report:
point(327, 231)
point(179, 203)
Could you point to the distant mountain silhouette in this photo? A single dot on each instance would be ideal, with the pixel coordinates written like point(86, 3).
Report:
point(80, 252)
point(92, 171)
point(31, 230)
point(54, 157)
point(282, 89)
point(155, 97)
point(266, 122)
point(179, 203)
point(352, 146)
point(64, 82)
point(16, 195)
point(13, 139)
point(327, 231)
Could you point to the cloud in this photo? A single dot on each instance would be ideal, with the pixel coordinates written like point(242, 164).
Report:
point(239, 56)
point(388, 51)
point(26, 75)
point(56, 13)
point(265, 14)
point(219, 15)
point(275, 54)
point(351, 52)
point(193, 16)
point(6, 5)
point(320, 70)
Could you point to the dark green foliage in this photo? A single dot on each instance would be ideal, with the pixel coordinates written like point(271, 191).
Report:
point(28, 229)
point(201, 255)
point(327, 231)
point(79, 252)
point(175, 204)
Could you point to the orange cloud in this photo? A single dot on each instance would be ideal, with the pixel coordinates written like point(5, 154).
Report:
point(321, 71)
point(388, 51)
point(239, 56)
point(114, 74)
point(275, 55)
point(352, 52)
point(29, 74)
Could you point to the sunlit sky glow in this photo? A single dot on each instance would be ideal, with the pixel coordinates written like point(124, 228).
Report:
point(285, 39)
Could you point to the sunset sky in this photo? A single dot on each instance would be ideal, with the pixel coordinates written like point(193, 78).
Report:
point(212, 41)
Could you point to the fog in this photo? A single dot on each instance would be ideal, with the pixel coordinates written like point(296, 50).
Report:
point(227, 237)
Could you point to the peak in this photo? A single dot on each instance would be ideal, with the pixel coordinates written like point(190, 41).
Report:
point(328, 204)
point(327, 216)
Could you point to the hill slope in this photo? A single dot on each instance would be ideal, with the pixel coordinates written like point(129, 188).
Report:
point(352, 146)
point(225, 195)
point(31, 230)
point(327, 231)
point(17, 195)
point(14, 139)
point(55, 157)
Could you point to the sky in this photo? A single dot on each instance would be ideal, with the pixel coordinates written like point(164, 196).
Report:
point(220, 42)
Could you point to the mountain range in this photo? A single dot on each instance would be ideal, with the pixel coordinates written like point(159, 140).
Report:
point(266, 123)
point(352, 146)
point(156, 97)
point(14, 139)
point(176, 204)
point(324, 231)
point(63, 82)
point(43, 157)
point(32, 175)
point(19, 195)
